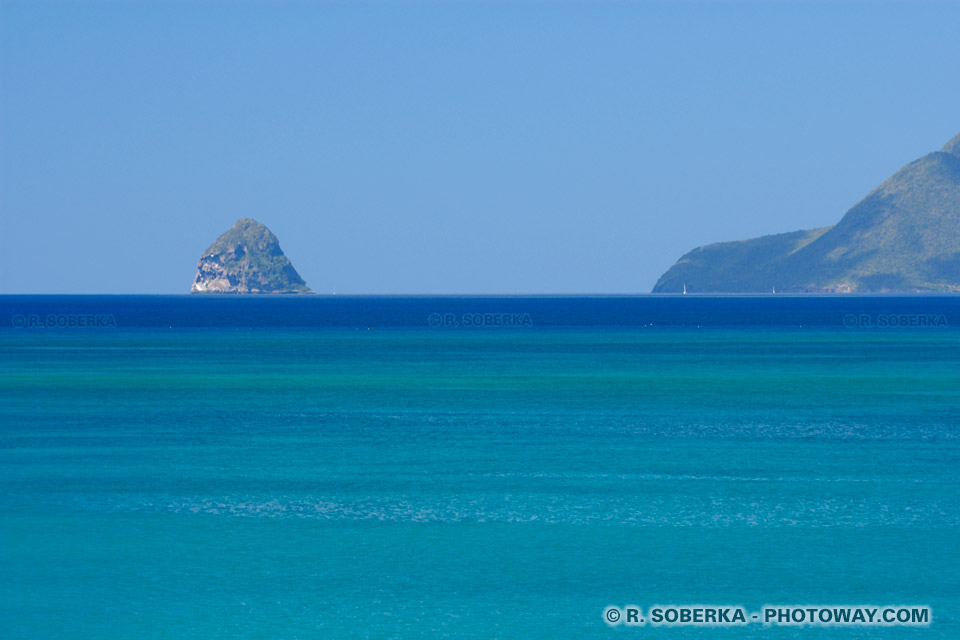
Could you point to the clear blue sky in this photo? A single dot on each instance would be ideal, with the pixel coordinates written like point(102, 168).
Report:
point(448, 147)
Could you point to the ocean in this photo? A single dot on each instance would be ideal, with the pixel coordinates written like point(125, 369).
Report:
point(474, 467)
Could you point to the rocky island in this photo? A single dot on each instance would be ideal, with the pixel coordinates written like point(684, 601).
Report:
point(903, 237)
point(247, 259)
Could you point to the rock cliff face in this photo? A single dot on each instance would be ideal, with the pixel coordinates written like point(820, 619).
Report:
point(904, 236)
point(247, 259)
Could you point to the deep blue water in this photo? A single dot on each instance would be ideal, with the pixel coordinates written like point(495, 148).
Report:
point(319, 467)
point(543, 311)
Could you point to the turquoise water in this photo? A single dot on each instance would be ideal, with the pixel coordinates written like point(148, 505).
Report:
point(403, 482)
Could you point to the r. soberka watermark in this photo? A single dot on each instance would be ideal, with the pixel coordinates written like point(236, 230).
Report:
point(63, 321)
point(770, 615)
point(484, 319)
point(894, 320)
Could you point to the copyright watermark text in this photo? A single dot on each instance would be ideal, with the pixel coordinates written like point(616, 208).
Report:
point(63, 320)
point(479, 320)
point(780, 615)
point(894, 320)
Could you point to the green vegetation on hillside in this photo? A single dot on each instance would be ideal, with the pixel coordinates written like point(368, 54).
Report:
point(904, 236)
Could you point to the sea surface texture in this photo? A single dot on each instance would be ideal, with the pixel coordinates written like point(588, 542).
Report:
point(313, 467)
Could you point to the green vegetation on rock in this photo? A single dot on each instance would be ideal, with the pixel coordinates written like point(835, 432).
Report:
point(904, 236)
point(247, 259)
